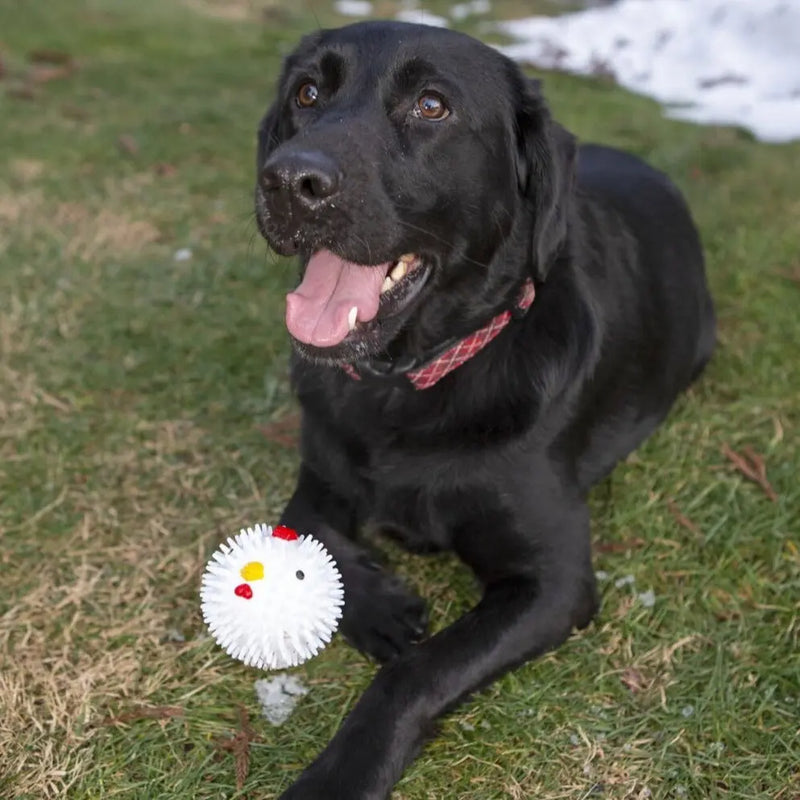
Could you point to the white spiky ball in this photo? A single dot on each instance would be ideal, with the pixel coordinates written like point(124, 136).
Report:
point(271, 598)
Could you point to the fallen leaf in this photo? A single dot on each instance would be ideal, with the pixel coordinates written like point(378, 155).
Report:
point(274, 14)
point(128, 144)
point(145, 712)
point(632, 679)
point(71, 111)
point(21, 92)
point(239, 746)
point(46, 55)
point(681, 518)
point(752, 466)
point(165, 170)
point(45, 73)
point(284, 431)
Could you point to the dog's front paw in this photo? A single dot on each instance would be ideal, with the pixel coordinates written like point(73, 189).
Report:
point(382, 617)
point(303, 791)
point(311, 786)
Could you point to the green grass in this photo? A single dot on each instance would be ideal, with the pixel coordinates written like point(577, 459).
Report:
point(134, 394)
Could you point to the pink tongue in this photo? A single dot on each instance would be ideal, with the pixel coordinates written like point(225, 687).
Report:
point(317, 310)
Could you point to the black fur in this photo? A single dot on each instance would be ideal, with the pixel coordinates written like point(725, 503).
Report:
point(494, 461)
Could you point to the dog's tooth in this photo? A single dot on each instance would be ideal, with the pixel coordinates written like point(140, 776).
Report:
point(351, 318)
point(387, 284)
point(399, 271)
point(407, 258)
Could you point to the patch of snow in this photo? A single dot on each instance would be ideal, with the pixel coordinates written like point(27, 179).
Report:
point(625, 580)
point(421, 17)
point(473, 8)
point(278, 696)
point(184, 254)
point(648, 598)
point(709, 61)
point(353, 8)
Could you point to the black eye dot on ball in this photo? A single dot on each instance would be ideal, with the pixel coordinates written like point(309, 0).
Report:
point(300, 575)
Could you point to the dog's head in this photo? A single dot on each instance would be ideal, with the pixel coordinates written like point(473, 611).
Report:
point(418, 175)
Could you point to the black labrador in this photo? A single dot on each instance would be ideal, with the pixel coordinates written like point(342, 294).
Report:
point(488, 319)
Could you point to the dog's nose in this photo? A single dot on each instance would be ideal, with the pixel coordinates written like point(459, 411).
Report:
point(310, 177)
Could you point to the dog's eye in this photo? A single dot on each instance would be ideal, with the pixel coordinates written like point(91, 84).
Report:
point(431, 106)
point(307, 94)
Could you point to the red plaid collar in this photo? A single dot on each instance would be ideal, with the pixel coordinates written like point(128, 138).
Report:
point(457, 354)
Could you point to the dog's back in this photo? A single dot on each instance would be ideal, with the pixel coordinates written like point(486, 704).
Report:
point(647, 281)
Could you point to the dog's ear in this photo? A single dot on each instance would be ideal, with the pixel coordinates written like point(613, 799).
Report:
point(545, 170)
point(272, 130)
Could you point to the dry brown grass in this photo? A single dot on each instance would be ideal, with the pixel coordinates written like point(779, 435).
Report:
point(16, 206)
point(88, 235)
point(56, 680)
point(26, 169)
point(102, 583)
point(230, 10)
point(83, 232)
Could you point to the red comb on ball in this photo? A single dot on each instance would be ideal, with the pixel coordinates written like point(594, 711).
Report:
point(282, 532)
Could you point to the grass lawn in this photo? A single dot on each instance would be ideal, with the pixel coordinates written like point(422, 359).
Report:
point(145, 415)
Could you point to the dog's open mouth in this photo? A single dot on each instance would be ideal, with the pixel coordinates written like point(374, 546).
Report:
point(339, 300)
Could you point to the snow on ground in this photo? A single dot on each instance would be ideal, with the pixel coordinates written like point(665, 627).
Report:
point(733, 62)
point(353, 8)
point(729, 62)
point(469, 9)
point(279, 695)
point(410, 11)
point(421, 17)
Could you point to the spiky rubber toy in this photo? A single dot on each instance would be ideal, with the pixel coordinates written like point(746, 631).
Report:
point(271, 598)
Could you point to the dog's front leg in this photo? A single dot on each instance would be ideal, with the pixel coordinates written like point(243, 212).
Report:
point(381, 616)
point(521, 616)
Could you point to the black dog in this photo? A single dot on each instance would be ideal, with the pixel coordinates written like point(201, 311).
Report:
point(431, 198)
